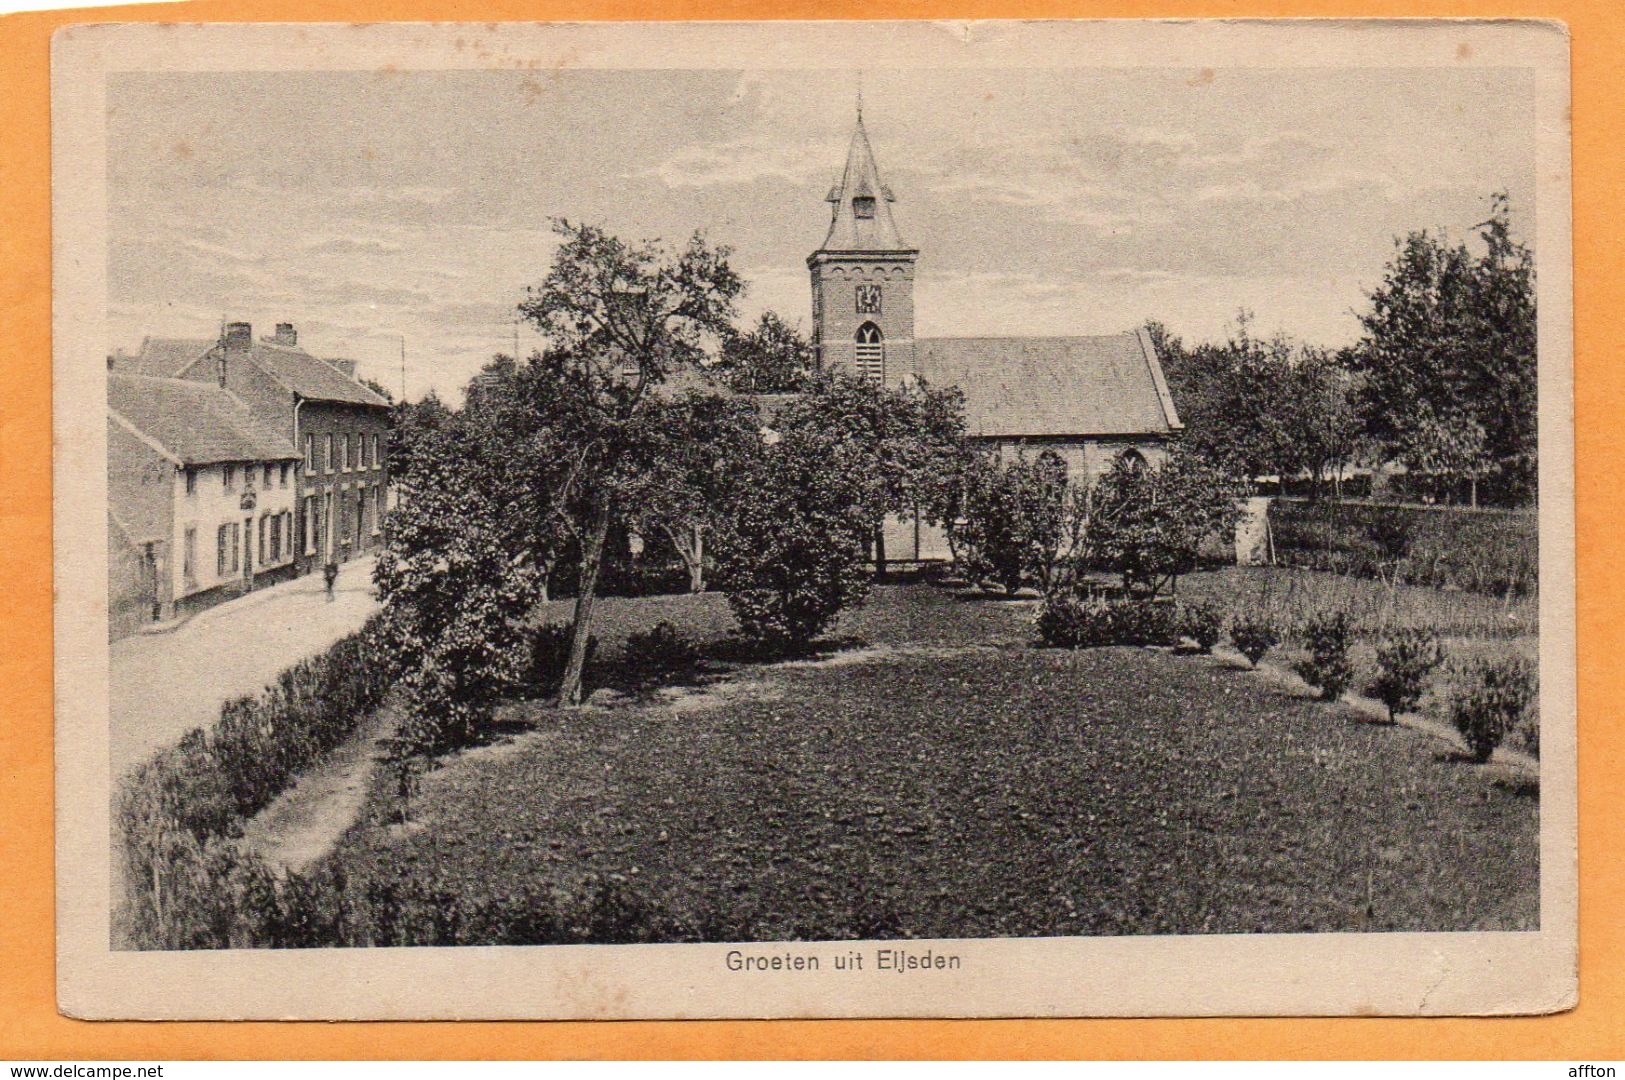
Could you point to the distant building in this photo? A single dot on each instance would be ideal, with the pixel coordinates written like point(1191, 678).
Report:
point(200, 495)
point(1088, 400)
point(339, 426)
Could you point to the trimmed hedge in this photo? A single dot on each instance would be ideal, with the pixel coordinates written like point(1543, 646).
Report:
point(1496, 552)
point(178, 811)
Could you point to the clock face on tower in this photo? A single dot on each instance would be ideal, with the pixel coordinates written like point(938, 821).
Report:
point(868, 299)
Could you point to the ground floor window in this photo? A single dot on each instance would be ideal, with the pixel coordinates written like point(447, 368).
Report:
point(310, 525)
point(383, 506)
point(222, 555)
point(189, 556)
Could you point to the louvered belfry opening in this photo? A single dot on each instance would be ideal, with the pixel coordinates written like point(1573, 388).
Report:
point(871, 354)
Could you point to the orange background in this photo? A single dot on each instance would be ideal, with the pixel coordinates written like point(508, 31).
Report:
point(30, 1027)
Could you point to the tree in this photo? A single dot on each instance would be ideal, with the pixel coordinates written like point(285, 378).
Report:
point(1148, 523)
point(620, 319)
point(793, 552)
point(1449, 347)
point(1321, 417)
point(771, 358)
point(454, 600)
point(691, 471)
point(912, 438)
point(1014, 519)
point(378, 388)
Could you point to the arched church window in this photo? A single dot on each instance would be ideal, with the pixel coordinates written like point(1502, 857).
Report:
point(863, 206)
point(871, 353)
point(1132, 458)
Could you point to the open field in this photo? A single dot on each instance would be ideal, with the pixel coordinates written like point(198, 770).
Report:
point(940, 777)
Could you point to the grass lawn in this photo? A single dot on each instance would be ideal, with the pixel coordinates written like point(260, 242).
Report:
point(945, 779)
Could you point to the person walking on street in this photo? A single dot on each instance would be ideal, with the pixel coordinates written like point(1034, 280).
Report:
point(330, 574)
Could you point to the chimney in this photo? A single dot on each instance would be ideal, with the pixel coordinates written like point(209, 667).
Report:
point(285, 335)
point(238, 338)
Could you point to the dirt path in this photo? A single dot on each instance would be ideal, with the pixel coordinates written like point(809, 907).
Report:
point(306, 821)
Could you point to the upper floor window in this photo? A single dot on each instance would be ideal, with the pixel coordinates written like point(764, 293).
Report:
point(331, 463)
point(871, 354)
point(282, 476)
point(310, 453)
point(228, 477)
point(863, 206)
point(377, 462)
point(191, 481)
point(267, 474)
point(345, 446)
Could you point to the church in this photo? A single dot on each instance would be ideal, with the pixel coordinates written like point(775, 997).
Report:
point(1088, 399)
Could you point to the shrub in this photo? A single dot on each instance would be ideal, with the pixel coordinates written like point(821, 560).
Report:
point(662, 650)
point(1202, 624)
point(1253, 637)
point(1327, 667)
point(1497, 703)
point(1405, 660)
point(176, 812)
point(1072, 622)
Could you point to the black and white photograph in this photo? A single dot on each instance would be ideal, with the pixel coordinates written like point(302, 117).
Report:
point(814, 520)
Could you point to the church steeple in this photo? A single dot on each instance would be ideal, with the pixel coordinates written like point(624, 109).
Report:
point(863, 275)
point(861, 219)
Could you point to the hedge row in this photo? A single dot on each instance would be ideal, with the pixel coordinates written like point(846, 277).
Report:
point(174, 811)
point(1485, 551)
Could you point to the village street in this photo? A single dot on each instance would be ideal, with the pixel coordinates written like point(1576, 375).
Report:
point(164, 684)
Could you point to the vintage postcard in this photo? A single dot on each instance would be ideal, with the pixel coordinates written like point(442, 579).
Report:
point(814, 520)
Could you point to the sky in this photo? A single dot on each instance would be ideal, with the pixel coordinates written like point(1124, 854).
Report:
point(372, 209)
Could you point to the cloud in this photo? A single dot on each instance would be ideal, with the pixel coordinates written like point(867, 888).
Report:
point(348, 245)
point(741, 161)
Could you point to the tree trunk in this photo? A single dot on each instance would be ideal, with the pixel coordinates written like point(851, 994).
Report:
point(696, 569)
point(592, 557)
point(880, 549)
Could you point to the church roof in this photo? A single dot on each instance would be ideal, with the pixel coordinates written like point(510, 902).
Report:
point(1053, 386)
point(861, 180)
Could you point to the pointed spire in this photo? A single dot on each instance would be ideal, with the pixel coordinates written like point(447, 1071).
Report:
point(861, 219)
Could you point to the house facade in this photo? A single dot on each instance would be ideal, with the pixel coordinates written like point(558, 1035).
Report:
point(339, 427)
point(201, 498)
point(1088, 399)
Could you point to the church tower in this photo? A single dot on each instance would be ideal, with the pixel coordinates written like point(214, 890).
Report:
point(863, 277)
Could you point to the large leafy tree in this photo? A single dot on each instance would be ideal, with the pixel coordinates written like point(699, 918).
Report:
point(689, 473)
point(912, 438)
point(770, 358)
point(1448, 355)
point(1148, 523)
point(793, 552)
point(621, 319)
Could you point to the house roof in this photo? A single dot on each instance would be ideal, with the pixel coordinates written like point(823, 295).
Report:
point(193, 423)
point(303, 374)
point(861, 179)
point(163, 358)
point(1052, 386)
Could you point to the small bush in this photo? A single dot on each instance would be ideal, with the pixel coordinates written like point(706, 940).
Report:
point(663, 650)
point(1496, 704)
point(1202, 624)
point(1071, 622)
point(1327, 667)
point(1405, 660)
point(1253, 637)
